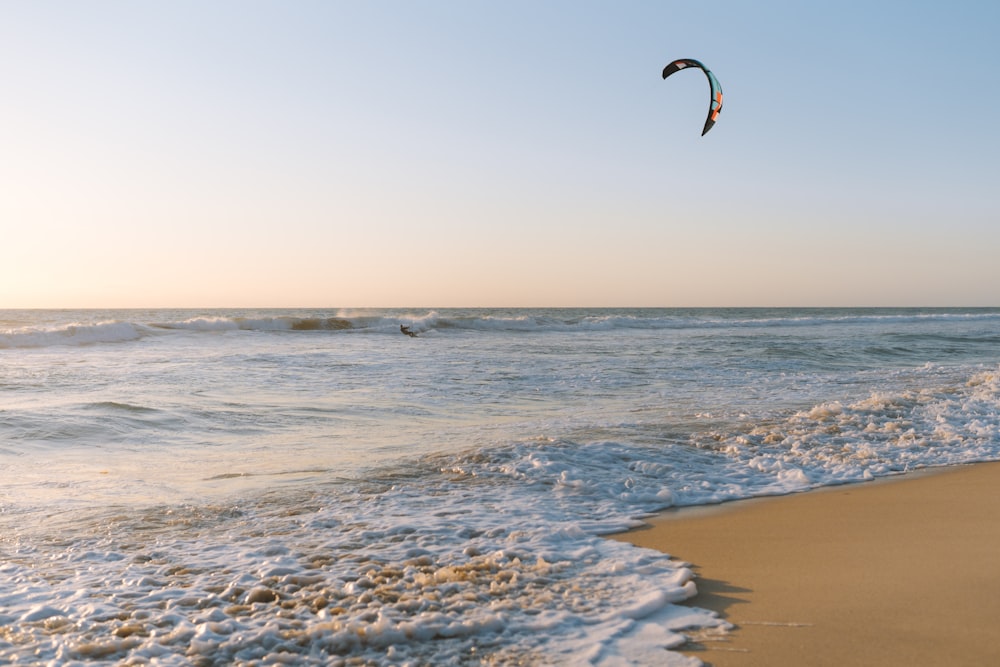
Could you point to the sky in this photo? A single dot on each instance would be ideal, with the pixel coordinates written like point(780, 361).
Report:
point(460, 153)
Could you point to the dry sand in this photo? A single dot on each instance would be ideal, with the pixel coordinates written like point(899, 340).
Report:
point(897, 572)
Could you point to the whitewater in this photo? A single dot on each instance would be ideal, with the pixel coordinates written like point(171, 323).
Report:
point(261, 487)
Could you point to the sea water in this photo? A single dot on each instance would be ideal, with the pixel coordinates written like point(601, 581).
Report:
point(313, 487)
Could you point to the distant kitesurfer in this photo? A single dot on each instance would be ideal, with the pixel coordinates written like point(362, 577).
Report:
point(405, 329)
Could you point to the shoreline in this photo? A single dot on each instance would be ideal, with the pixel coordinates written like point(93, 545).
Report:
point(899, 571)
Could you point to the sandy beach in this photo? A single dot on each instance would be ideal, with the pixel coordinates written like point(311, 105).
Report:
point(904, 571)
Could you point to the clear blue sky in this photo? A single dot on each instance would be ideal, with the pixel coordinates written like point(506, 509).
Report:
point(517, 153)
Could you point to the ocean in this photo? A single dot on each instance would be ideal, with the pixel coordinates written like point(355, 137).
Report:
point(262, 487)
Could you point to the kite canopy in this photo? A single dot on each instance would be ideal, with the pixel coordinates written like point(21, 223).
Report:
point(715, 106)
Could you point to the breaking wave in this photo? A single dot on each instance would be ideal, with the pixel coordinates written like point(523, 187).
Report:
point(122, 326)
point(72, 334)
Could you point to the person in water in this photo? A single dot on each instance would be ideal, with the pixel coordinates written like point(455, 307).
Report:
point(405, 329)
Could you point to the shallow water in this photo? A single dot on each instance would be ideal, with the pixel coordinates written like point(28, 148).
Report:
point(210, 487)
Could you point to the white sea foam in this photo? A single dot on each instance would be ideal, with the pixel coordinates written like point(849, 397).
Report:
point(203, 324)
point(404, 586)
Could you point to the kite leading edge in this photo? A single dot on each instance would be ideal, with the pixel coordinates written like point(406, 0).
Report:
point(715, 106)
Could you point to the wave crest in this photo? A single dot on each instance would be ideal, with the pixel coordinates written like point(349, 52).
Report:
point(72, 334)
point(125, 326)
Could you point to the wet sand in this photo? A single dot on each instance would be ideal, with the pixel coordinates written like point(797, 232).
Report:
point(904, 571)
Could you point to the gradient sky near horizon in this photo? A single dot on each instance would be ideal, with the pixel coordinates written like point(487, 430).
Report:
point(251, 153)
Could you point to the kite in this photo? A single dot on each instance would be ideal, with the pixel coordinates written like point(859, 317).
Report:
point(716, 104)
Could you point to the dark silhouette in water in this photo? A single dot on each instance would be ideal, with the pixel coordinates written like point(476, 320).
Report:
point(405, 329)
